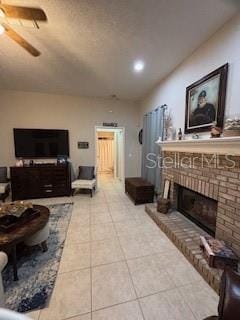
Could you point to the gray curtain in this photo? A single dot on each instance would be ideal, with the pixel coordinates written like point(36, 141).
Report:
point(152, 130)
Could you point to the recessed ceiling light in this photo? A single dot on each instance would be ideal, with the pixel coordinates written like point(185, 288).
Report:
point(2, 13)
point(2, 29)
point(138, 66)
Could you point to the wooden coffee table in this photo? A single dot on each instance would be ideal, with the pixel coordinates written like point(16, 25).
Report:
point(10, 240)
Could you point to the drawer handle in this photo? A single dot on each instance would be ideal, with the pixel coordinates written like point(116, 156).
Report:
point(48, 191)
point(48, 185)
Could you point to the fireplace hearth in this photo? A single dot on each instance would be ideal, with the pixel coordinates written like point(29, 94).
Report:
point(198, 208)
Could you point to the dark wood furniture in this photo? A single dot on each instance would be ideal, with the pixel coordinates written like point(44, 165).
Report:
point(40, 181)
point(139, 190)
point(229, 302)
point(10, 240)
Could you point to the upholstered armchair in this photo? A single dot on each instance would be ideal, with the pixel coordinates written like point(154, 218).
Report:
point(3, 262)
point(4, 184)
point(86, 180)
point(229, 303)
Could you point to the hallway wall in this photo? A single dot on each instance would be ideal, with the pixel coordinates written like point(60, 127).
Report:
point(77, 114)
point(223, 47)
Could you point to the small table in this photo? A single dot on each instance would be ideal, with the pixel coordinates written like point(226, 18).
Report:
point(9, 240)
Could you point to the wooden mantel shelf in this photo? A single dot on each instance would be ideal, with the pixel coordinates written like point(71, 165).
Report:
point(227, 145)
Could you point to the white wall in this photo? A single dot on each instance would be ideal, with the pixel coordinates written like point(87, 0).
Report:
point(223, 47)
point(78, 115)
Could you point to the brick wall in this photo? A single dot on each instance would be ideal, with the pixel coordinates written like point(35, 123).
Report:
point(217, 177)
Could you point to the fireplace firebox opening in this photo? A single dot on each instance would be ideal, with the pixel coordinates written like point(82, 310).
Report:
point(198, 208)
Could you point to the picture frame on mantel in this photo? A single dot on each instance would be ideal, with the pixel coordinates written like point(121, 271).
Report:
point(205, 102)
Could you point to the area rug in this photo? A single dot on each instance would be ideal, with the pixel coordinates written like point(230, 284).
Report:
point(37, 270)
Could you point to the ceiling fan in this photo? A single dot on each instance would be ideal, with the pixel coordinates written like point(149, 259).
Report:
point(20, 13)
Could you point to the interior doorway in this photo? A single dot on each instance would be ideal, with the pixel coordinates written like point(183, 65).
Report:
point(110, 152)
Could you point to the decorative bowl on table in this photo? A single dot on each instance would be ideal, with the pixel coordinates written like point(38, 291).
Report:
point(15, 214)
point(14, 208)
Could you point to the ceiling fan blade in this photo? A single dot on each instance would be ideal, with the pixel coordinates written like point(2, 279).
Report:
point(22, 42)
point(26, 13)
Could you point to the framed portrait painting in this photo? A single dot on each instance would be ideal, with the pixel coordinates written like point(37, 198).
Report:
point(205, 102)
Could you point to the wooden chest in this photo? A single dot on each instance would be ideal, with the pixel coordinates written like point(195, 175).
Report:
point(139, 190)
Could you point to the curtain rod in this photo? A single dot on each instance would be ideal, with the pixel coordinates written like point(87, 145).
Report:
point(164, 107)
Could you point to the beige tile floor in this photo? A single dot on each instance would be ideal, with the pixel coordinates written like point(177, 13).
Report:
point(117, 265)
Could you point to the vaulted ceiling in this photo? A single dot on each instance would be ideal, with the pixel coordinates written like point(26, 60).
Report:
point(89, 46)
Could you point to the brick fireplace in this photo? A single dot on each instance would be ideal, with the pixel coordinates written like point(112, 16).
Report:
point(212, 176)
point(206, 173)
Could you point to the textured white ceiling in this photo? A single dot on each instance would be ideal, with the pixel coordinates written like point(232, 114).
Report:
point(88, 46)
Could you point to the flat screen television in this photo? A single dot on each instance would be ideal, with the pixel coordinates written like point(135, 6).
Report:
point(40, 143)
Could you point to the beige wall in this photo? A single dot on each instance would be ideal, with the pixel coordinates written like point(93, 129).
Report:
point(223, 47)
point(76, 114)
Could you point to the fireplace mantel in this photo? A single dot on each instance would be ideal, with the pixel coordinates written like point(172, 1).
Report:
point(226, 145)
